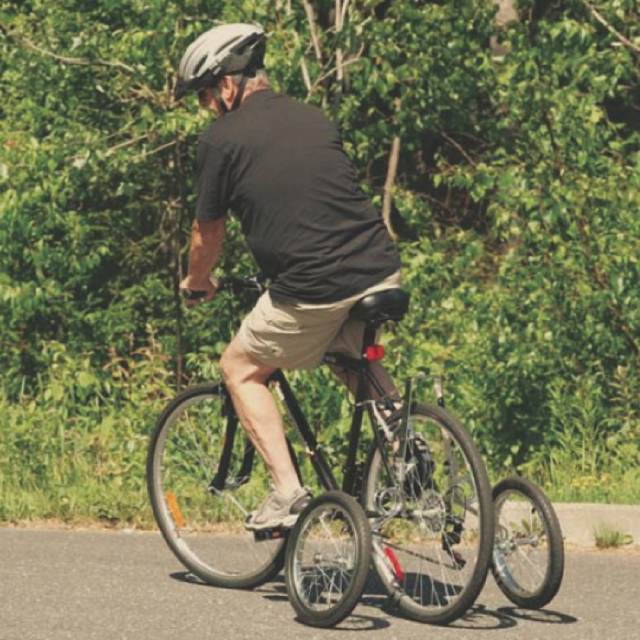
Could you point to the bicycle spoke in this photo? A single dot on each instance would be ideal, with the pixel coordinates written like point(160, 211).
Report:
point(210, 539)
point(328, 532)
point(188, 453)
point(192, 432)
point(438, 508)
point(227, 495)
point(527, 554)
point(328, 556)
point(532, 564)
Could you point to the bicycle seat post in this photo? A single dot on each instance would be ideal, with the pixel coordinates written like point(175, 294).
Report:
point(373, 310)
point(361, 396)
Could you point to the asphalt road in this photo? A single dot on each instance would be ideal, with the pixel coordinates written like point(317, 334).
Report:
point(86, 585)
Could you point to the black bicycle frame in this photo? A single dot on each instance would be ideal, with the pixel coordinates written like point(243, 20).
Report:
point(364, 376)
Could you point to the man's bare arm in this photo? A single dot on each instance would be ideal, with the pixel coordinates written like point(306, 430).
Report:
point(207, 238)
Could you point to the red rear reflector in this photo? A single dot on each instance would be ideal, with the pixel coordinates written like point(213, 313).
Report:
point(395, 563)
point(374, 352)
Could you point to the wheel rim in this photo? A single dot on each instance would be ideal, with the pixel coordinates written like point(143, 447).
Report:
point(326, 558)
point(521, 552)
point(205, 527)
point(428, 527)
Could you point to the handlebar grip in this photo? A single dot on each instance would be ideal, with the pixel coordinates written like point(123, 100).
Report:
point(236, 284)
point(190, 294)
point(230, 283)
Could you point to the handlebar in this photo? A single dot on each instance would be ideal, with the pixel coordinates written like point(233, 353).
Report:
point(231, 283)
point(234, 284)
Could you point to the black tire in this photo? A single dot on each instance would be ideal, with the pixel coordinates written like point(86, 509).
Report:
point(542, 541)
point(308, 571)
point(432, 532)
point(205, 529)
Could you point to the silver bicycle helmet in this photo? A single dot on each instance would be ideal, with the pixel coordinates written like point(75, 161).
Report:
point(224, 50)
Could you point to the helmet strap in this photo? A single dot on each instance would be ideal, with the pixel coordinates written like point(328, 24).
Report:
point(238, 99)
point(221, 103)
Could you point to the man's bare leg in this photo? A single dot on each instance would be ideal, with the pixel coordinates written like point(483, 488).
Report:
point(258, 412)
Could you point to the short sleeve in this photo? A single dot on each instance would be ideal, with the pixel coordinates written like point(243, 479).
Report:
point(213, 182)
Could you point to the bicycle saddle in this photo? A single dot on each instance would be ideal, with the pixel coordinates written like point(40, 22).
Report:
point(390, 304)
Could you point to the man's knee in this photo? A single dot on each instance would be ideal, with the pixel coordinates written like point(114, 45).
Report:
point(237, 366)
point(233, 366)
point(227, 366)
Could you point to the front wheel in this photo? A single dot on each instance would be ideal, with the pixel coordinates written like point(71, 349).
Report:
point(528, 554)
point(204, 478)
point(328, 558)
point(432, 517)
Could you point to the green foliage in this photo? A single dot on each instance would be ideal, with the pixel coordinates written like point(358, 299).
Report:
point(76, 447)
point(518, 185)
point(609, 538)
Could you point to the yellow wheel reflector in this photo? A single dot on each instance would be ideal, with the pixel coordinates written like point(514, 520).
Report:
point(172, 503)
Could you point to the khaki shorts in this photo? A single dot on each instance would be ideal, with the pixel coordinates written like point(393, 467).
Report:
point(296, 335)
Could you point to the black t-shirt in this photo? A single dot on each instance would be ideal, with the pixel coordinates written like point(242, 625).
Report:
point(278, 164)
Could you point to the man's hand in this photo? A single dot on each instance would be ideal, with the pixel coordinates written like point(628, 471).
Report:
point(209, 286)
point(204, 251)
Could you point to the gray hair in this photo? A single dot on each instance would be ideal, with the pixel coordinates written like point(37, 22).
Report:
point(259, 81)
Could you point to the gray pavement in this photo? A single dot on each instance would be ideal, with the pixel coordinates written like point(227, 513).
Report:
point(85, 585)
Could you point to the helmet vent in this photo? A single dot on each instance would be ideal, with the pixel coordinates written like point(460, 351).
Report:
point(227, 43)
point(199, 65)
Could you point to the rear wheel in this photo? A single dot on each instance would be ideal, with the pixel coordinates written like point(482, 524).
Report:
point(328, 559)
point(432, 517)
point(528, 553)
point(201, 516)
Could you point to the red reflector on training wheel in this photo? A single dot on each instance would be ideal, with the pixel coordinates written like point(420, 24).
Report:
point(374, 352)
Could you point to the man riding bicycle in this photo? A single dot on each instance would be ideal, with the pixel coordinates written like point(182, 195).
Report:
point(279, 166)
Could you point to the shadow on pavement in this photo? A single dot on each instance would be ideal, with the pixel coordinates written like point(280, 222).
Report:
point(478, 617)
point(187, 576)
point(481, 618)
point(358, 622)
point(539, 615)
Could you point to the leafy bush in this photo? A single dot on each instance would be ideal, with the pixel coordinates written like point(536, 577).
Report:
point(516, 200)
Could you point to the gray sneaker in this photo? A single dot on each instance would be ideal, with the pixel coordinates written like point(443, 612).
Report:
point(278, 511)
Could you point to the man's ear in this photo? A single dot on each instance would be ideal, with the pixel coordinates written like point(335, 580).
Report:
point(226, 85)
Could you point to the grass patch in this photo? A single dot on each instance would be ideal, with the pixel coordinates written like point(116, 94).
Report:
point(609, 538)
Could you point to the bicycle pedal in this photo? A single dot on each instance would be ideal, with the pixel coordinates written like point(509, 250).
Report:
point(276, 533)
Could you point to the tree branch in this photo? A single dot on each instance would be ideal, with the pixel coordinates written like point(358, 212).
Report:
point(305, 74)
point(162, 147)
point(303, 63)
point(25, 42)
point(111, 150)
point(339, 57)
point(599, 17)
point(126, 143)
point(331, 71)
point(343, 13)
point(459, 147)
point(313, 28)
point(392, 170)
